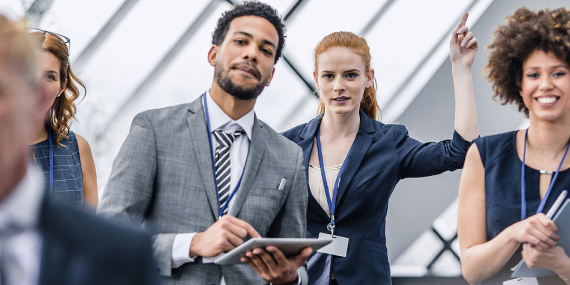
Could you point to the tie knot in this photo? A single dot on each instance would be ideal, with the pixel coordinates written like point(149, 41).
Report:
point(226, 139)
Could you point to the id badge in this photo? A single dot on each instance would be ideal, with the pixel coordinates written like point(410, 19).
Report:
point(522, 281)
point(337, 247)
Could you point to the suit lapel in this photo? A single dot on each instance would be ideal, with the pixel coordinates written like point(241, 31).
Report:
point(356, 154)
point(307, 143)
point(257, 147)
point(200, 141)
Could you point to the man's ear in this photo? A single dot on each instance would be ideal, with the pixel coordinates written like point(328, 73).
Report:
point(269, 81)
point(213, 55)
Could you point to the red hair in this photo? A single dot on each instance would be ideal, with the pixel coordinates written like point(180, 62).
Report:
point(359, 45)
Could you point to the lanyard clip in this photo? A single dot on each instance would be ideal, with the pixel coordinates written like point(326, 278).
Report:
point(331, 226)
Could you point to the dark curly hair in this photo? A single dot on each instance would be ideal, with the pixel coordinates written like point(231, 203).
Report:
point(250, 9)
point(525, 32)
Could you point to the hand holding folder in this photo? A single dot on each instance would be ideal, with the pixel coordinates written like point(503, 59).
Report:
point(562, 221)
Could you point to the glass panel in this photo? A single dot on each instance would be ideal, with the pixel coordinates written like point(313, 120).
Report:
point(12, 8)
point(404, 36)
point(78, 20)
point(316, 19)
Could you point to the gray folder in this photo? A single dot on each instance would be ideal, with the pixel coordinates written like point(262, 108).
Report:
point(562, 221)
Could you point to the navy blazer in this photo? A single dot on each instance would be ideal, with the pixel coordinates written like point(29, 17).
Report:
point(81, 248)
point(379, 157)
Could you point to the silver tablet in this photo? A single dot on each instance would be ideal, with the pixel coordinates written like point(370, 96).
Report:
point(289, 247)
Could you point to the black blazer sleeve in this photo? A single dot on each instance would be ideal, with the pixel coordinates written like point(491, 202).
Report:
point(425, 159)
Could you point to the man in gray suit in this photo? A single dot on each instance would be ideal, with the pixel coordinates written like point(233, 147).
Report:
point(205, 175)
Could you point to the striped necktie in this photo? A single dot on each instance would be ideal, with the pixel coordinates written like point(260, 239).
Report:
point(223, 171)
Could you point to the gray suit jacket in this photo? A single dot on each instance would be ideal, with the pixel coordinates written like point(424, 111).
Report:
point(163, 179)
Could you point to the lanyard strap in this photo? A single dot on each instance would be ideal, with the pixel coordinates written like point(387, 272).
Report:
point(331, 202)
point(50, 150)
point(221, 209)
point(523, 184)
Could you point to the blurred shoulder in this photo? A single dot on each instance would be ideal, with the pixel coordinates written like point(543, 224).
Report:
point(84, 231)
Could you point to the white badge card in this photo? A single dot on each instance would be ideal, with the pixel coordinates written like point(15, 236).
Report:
point(337, 247)
point(522, 281)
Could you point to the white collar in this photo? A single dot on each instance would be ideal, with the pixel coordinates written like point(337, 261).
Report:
point(22, 205)
point(219, 119)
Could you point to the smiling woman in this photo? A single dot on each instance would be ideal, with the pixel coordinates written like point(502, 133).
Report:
point(509, 177)
point(65, 157)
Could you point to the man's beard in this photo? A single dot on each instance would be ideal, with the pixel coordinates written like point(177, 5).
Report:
point(223, 79)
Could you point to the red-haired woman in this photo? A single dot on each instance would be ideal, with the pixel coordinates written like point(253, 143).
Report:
point(510, 180)
point(64, 157)
point(354, 161)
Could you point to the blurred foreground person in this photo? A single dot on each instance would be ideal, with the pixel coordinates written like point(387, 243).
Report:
point(43, 241)
point(202, 202)
point(64, 156)
point(354, 161)
point(510, 180)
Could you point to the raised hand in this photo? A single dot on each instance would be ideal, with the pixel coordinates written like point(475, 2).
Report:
point(271, 265)
point(538, 230)
point(224, 235)
point(463, 46)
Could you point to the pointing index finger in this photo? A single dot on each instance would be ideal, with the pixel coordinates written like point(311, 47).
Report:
point(463, 20)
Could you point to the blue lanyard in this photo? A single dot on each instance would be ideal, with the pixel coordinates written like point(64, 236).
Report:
point(331, 202)
point(523, 185)
point(50, 150)
point(221, 209)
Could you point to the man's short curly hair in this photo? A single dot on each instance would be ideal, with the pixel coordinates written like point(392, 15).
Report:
point(250, 9)
point(525, 32)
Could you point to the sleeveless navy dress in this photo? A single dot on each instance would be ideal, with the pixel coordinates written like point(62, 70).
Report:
point(503, 193)
point(67, 173)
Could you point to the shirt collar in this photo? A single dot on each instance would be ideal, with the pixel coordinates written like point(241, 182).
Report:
point(219, 119)
point(22, 205)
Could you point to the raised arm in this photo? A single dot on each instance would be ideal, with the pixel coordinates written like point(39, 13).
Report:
point(481, 259)
point(462, 50)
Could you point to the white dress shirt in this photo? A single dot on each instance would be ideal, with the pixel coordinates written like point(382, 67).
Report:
point(21, 248)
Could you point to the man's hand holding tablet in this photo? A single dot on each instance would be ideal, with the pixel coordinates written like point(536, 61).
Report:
point(272, 265)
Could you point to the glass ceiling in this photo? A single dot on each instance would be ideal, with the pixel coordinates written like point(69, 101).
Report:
point(126, 59)
point(128, 72)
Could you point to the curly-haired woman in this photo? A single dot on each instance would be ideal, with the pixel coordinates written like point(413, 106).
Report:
point(65, 157)
point(510, 180)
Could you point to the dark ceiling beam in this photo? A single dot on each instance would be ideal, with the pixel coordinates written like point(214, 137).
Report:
point(376, 17)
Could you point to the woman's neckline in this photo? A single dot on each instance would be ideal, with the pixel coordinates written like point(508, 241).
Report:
point(514, 147)
point(334, 167)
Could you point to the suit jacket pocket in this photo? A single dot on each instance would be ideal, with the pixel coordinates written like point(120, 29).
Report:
point(266, 192)
point(261, 207)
